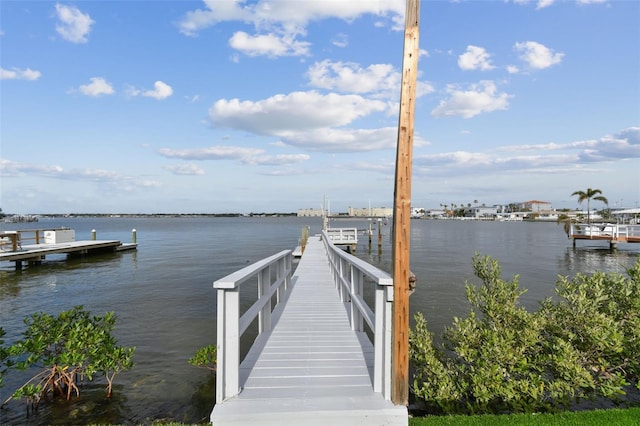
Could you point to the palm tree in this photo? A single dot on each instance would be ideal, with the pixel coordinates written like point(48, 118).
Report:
point(566, 222)
point(588, 195)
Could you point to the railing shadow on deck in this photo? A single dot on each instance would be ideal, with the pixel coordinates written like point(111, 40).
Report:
point(350, 274)
point(231, 325)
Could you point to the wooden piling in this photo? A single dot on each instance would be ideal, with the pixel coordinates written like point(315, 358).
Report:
point(402, 209)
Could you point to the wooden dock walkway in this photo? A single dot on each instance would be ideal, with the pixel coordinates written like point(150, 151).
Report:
point(13, 246)
point(311, 368)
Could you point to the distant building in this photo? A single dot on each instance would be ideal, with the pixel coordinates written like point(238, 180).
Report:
point(482, 211)
point(310, 212)
point(535, 206)
point(435, 214)
point(370, 212)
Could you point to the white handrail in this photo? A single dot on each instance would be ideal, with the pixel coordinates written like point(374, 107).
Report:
point(611, 230)
point(231, 325)
point(349, 274)
point(343, 235)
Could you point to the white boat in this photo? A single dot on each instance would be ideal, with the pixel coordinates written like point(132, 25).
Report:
point(596, 229)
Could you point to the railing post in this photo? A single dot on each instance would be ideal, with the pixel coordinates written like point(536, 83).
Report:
point(287, 281)
point(228, 341)
point(264, 283)
point(388, 341)
point(356, 290)
point(345, 270)
point(280, 268)
point(339, 277)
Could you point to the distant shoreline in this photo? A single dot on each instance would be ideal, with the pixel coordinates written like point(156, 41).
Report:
point(160, 215)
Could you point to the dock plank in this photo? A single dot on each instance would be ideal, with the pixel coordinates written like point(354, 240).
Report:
point(311, 368)
point(29, 252)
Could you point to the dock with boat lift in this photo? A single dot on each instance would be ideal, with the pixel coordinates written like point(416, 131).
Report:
point(614, 233)
point(34, 245)
point(312, 361)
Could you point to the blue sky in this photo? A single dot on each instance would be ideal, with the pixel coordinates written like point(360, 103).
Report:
point(269, 106)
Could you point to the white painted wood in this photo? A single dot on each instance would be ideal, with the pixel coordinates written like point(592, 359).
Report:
point(311, 368)
point(264, 284)
point(347, 271)
point(38, 251)
point(231, 326)
point(228, 340)
point(246, 273)
point(342, 236)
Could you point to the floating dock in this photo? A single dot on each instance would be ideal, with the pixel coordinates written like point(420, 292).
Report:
point(13, 247)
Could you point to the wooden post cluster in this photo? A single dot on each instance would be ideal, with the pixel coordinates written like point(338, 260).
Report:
point(402, 208)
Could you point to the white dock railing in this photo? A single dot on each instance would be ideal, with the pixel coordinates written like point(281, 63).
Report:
point(629, 232)
point(342, 235)
point(349, 275)
point(614, 231)
point(231, 326)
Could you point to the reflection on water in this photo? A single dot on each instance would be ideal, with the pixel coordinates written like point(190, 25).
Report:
point(166, 305)
point(590, 259)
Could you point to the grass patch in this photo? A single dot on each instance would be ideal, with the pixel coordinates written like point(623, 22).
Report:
point(613, 417)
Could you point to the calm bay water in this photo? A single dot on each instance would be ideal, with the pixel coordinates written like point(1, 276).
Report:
point(166, 306)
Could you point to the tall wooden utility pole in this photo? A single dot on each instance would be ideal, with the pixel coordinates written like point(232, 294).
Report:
point(402, 209)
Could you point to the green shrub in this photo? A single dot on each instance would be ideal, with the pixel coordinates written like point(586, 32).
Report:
point(69, 348)
point(599, 316)
point(205, 357)
point(502, 358)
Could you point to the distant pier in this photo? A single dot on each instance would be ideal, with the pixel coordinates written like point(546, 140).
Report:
point(33, 245)
point(344, 237)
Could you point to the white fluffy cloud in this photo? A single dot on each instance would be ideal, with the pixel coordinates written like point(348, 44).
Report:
point(270, 13)
point(185, 170)
point(113, 178)
point(279, 26)
point(98, 87)
point(271, 45)
point(161, 90)
point(18, 74)
point(344, 140)
point(295, 111)
point(211, 153)
point(73, 26)
point(352, 78)
point(253, 156)
point(477, 99)
point(475, 58)
point(538, 158)
point(536, 55)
